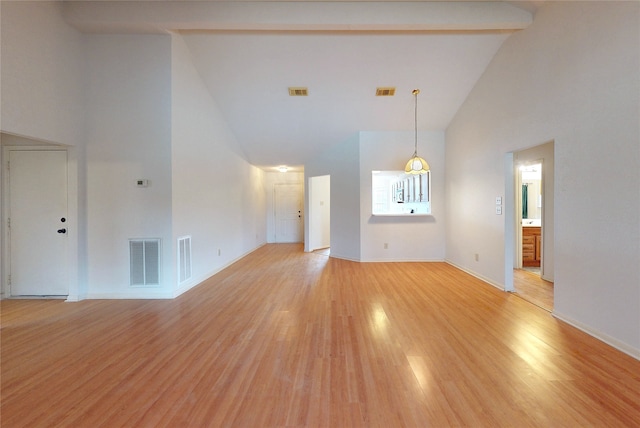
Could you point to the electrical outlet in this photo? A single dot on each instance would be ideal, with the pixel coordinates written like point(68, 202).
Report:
point(498, 209)
point(386, 246)
point(219, 251)
point(476, 256)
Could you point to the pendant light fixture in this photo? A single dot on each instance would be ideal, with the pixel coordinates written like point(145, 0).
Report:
point(416, 164)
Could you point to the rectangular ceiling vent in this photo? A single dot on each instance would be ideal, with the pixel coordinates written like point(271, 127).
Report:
point(144, 262)
point(385, 92)
point(298, 92)
point(184, 258)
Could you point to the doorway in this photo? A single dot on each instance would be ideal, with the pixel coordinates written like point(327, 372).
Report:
point(532, 211)
point(530, 186)
point(288, 213)
point(320, 214)
point(37, 242)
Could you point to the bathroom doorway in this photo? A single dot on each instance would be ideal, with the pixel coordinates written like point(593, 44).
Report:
point(533, 215)
point(530, 186)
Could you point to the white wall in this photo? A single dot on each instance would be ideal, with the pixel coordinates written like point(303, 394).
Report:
point(319, 212)
point(355, 234)
point(41, 73)
point(342, 163)
point(408, 238)
point(271, 179)
point(41, 78)
point(218, 198)
point(109, 97)
point(573, 77)
point(128, 134)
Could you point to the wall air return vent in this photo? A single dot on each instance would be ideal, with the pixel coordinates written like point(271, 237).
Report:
point(385, 92)
point(298, 92)
point(144, 262)
point(184, 258)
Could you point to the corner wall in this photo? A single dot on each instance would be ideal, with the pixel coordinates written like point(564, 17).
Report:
point(408, 238)
point(342, 163)
point(218, 198)
point(128, 134)
point(572, 77)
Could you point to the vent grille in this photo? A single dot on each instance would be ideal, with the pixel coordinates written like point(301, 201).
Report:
point(184, 258)
point(144, 261)
point(298, 92)
point(385, 92)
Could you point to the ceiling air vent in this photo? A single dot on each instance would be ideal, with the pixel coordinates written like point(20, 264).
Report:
point(298, 92)
point(385, 92)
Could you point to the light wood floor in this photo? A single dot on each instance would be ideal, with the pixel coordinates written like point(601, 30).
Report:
point(533, 288)
point(284, 338)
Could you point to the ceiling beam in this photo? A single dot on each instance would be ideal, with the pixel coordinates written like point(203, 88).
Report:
point(162, 17)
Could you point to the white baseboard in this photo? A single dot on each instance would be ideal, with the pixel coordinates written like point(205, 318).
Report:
point(611, 341)
point(131, 295)
point(195, 282)
point(333, 255)
point(499, 286)
point(403, 261)
point(619, 345)
point(146, 293)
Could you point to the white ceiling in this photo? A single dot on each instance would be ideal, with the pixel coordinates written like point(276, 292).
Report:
point(249, 53)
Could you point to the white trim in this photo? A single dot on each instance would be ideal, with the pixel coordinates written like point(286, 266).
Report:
point(19, 143)
point(511, 251)
point(135, 293)
point(403, 215)
point(477, 275)
point(194, 282)
point(337, 256)
point(403, 261)
point(611, 341)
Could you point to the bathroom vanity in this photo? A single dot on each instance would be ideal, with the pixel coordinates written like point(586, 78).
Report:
point(531, 244)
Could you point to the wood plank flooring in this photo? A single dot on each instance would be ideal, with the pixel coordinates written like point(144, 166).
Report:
point(533, 288)
point(292, 339)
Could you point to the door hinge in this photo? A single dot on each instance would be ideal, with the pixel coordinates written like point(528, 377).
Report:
point(9, 222)
point(9, 279)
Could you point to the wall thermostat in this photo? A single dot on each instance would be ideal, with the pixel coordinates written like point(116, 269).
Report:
point(142, 182)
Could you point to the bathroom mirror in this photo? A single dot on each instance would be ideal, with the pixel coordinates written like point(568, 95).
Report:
point(531, 197)
point(396, 193)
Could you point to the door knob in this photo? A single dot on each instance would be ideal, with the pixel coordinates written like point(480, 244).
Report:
point(62, 230)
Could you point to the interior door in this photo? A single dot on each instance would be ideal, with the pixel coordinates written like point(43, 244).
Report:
point(38, 223)
point(288, 213)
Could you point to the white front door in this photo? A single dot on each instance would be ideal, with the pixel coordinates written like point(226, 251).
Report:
point(38, 223)
point(288, 212)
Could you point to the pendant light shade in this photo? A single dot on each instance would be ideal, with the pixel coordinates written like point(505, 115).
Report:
point(416, 164)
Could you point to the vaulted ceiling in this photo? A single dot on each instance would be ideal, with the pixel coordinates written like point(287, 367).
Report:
point(250, 53)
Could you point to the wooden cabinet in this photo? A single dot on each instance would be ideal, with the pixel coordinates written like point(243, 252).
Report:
point(531, 246)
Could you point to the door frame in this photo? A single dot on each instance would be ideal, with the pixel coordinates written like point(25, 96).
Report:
point(17, 143)
point(316, 214)
point(543, 154)
point(299, 188)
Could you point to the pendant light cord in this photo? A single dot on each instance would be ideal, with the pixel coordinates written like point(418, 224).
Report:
point(415, 121)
